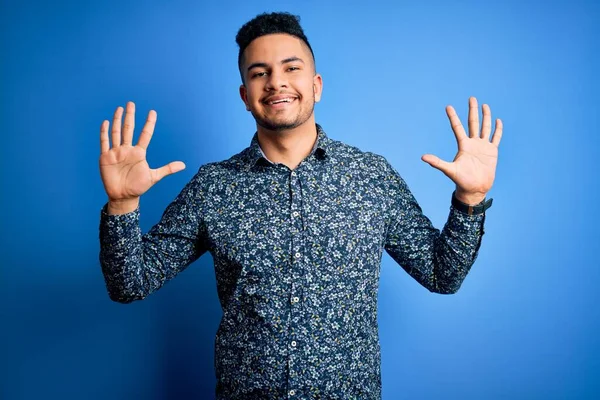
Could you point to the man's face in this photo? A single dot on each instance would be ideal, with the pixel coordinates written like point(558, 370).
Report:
point(281, 86)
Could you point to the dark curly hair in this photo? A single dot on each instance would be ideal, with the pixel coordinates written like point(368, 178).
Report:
point(266, 24)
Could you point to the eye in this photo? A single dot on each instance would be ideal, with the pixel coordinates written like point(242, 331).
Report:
point(259, 74)
point(293, 68)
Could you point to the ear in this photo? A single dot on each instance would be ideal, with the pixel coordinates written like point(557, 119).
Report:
point(317, 87)
point(244, 96)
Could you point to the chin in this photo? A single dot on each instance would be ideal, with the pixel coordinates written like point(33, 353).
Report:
point(278, 126)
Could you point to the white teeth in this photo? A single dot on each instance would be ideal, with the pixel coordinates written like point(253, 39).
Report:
point(281, 101)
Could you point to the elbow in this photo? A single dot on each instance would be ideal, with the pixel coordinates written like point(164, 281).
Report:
point(123, 294)
point(124, 287)
point(444, 285)
point(445, 289)
point(448, 277)
point(124, 297)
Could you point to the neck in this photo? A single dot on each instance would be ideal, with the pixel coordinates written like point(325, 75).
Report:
point(288, 147)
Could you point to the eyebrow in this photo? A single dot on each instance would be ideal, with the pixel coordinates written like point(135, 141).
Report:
point(265, 65)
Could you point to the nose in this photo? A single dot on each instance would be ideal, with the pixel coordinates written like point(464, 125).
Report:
point(276, 80)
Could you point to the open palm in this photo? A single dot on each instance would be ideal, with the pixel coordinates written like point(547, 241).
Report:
point(124, 170)
point(474, 167)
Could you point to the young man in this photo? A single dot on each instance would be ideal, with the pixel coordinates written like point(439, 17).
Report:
point(296, 224)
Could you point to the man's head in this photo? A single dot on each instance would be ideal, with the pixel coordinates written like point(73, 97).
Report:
point(279, 82)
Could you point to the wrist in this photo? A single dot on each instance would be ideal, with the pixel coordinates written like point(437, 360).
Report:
point(471, 199)
point(471, 208)
point(117, 207)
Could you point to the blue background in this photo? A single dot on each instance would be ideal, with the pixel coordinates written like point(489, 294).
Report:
point(524, 324)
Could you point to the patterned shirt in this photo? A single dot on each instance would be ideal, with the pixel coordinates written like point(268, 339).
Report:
point(297, 258)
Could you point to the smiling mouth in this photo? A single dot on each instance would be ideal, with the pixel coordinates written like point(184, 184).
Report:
point(287, 100)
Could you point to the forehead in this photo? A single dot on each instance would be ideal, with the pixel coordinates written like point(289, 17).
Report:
point(274, 48)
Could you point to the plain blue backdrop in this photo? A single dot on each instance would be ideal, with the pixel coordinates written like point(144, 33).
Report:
point(524, 324)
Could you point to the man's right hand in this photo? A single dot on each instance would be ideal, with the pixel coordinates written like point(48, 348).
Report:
point(125, 172)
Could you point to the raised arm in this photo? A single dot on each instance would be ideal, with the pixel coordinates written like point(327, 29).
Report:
point(438, 260)
point(135, 265)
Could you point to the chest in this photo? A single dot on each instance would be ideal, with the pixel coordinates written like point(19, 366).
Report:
point(266, 213)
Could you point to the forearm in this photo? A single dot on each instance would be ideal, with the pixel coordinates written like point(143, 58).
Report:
point(121, 256)
point(135, 265)
point(439, 261)
point(456, 250)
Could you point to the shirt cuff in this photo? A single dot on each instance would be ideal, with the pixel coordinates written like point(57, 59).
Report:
point(464, 222)
point(114, 226)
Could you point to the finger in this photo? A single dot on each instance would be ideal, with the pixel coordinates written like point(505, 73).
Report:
point(170, 168)
point(457, 127)
point(497, 132)
point(148, 130)
point(129, 123)
point(473, 118)
point(116, 128)
point(486, 125)
point(438, 163)
point(104, 144)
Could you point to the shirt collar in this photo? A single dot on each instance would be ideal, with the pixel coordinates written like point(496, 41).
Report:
point(254, 153)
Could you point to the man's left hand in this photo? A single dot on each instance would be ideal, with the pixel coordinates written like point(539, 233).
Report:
point(474, 166)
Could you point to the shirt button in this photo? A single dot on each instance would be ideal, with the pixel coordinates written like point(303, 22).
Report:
point(292, 392)
point(293, 343)
point(295, 299)
point(297, 255)
point(296, 213)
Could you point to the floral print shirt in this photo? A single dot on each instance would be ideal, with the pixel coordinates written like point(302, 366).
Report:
point(297, 258)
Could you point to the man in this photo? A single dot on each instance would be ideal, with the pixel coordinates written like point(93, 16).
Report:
point(296, 224)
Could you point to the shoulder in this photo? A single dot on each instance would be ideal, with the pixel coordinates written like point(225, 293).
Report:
point(356, 158)
point(223, 167)
point(218, 173)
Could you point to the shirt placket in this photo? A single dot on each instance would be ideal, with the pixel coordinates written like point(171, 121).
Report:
point(296, 342)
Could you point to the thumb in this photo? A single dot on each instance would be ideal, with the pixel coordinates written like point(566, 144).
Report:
point(168, 169)
point(438, 163)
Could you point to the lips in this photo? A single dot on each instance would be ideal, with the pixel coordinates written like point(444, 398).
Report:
point(279, 99)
